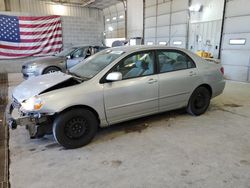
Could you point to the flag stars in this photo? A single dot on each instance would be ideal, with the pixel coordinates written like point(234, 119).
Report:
point(9, 29)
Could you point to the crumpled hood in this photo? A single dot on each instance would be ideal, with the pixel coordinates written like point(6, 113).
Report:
point(44, 60)
point(36, 85)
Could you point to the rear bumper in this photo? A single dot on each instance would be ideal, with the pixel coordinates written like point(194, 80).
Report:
point(32, 122)
point(218, 88)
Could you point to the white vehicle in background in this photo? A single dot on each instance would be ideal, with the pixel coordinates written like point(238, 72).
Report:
point(112, 86)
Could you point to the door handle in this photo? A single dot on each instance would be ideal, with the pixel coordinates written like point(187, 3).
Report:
point(192, 73)
point(151, 81)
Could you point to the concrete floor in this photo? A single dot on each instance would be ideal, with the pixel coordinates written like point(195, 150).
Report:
point(172, 149)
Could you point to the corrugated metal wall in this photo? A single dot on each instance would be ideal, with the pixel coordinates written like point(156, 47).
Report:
point(37, 7)
point(236, 57)
point(205, 36)
point(166, 21)
point(115, 21)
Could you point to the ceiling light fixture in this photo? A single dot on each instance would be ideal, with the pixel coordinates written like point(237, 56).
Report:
point(196, 8)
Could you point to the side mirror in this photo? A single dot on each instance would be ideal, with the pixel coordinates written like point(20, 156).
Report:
point(114, 76)
point(68, 56)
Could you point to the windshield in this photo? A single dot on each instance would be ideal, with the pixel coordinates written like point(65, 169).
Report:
point(65, 52)
point(96, 63)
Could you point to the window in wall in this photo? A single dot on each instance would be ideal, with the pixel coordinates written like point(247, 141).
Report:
point(150, 43)
point(177, 42)
point(237, 41)
point(163, 43)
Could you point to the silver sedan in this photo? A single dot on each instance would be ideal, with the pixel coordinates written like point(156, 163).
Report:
point(112, 86)
point(59, 62)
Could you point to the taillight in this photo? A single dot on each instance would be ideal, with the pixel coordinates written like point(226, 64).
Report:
point(222, 70)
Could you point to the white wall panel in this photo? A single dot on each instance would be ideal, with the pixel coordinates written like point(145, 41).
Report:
point(135, 18)
point(231, 57)
point(179, 5)
point(236, 72)
point(237, 24)
point(150, 3)
point(150, 11)
point(164, 8)
point(150, 32)
point(179, 30)
point(179, 17)
point(163, 31)
point(163, 20)
point(170, 19)
point(150, 22)
point(236, 8)
point(46, 8)
point(236, 58)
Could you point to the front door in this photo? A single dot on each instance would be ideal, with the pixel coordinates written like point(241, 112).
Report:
point(136, 94)
point(76, 57)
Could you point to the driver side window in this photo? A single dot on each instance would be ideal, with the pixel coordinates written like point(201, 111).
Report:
point(139, 64)
point(78, 53)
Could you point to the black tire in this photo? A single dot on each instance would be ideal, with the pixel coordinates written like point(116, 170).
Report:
point(199, 101)
point(75, 128)
point(51, 70)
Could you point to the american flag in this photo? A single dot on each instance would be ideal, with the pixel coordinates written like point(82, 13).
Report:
point(22, 36)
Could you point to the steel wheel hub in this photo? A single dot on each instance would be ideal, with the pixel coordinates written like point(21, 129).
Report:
point(76, 128)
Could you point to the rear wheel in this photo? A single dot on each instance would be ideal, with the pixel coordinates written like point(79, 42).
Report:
point(75, 128)
point(51, 70)
point(199, 101)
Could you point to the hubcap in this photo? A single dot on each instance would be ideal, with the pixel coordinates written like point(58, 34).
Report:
point(52, 71)
point(76, 128)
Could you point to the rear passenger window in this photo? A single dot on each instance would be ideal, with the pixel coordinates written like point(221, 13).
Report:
point(173, 61)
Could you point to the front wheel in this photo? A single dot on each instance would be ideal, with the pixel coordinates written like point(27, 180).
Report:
point(199, 101)
point(51, 70)
point(75, 128)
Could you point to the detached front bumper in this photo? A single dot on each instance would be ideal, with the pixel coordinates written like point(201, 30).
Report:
point(33, 122)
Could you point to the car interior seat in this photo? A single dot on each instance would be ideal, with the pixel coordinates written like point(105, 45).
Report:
point(166, 64)
point(150, 66)
point(181, 63)
point(136, 71)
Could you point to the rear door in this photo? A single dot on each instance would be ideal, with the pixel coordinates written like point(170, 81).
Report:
point(137, 93)
point(178, 76)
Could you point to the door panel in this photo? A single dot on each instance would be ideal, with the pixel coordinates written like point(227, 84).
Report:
point(177, 79)
point(176, 87)
point(137, 94)
point(131, 98)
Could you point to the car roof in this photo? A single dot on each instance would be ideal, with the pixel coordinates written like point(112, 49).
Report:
point(85, 46)
point(145, 47)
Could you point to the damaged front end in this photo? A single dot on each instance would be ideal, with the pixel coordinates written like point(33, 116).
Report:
point(37, 124)
point(29, 109)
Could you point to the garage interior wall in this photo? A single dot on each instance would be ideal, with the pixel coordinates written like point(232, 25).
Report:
point(166, 22)
point(205, 26)
point(235, 54)
point(114, 17)
point(134, 18)
point(80, 25)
